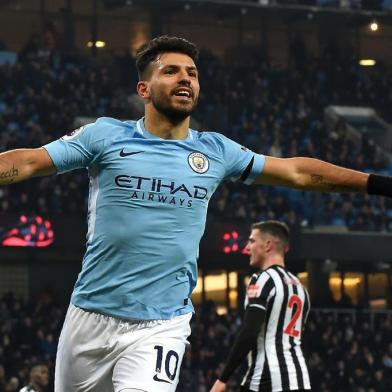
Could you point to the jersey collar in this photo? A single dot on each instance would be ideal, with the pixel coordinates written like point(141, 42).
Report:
point(148, 135)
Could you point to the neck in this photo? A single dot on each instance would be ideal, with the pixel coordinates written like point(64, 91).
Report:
point(36, 387)
point(275, 259)
point(159, 125)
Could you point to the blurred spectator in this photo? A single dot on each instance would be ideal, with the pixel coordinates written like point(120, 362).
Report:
point(38, 379)
point(21, 324)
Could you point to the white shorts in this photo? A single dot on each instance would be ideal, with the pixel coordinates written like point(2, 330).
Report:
point(100, 353)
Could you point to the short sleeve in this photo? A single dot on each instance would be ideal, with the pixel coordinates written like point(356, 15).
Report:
point(260, 290)
point(79, 148)
point(241, 163)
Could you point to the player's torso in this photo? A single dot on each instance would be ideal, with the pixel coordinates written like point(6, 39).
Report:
point(151, 173)
point(278, 361)
point(151, 185)
point(288, 310)
point(287, 299)
point(147, 210)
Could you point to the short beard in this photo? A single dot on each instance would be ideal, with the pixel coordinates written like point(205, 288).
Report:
point(175, 115)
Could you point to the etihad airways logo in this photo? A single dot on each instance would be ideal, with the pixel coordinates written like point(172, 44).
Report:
point(160, 190)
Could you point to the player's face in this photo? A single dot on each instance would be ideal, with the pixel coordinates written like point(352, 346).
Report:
point(174, 85)
point(257, 247)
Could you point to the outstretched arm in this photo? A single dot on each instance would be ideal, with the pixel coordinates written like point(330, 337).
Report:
point(244, 342)
point(311, 174)
point(316, 175)
point(21, 164)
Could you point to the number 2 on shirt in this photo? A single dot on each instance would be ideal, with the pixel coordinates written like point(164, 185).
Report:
point(290, 329)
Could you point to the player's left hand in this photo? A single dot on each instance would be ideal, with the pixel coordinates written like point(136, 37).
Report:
point(219, 386)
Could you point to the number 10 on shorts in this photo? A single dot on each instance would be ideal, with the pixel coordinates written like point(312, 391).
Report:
point(169, 364)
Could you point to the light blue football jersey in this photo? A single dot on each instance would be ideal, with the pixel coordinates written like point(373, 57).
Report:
point(147, 210)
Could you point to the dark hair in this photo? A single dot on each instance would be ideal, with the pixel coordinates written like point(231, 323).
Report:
point(277, 229)
point(152, 49)
point(36, 365)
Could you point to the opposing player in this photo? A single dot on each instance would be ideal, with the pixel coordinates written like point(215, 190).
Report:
point(150, 184)
point(39, 379)
point(276, 308)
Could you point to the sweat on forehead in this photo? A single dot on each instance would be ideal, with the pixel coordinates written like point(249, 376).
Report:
point(155, 62)
point(158, 60)
point(149, 68)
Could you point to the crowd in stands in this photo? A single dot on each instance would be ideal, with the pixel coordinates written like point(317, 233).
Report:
point(344, 353)
point(29, 332)
point(281, 113)
point(270, 110)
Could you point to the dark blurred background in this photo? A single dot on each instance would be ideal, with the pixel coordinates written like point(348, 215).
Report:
point(284, 78)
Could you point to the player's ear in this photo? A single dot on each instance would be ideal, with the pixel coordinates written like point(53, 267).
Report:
point(143, 89)
point(268, 244)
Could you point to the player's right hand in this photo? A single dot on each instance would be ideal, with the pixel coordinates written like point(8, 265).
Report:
point(219, 386)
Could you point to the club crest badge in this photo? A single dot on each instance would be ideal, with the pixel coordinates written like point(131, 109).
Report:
point(198, 162)
point(253, 291)
point(74, 133)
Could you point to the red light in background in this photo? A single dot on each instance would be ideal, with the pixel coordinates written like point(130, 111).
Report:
point(29, 231)
point(43, 244)
point(233, 242)
point(245, 251)
point(13, 241)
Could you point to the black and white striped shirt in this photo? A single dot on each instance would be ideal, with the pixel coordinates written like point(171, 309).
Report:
point(28, 388)
point(277, 363)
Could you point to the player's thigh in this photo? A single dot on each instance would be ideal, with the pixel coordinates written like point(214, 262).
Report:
point(151, 368)
point(154, 364)
point(84, 359)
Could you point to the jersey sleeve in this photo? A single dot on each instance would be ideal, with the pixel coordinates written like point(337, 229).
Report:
point(241, 163)
point(79, 148)
point(260, 290)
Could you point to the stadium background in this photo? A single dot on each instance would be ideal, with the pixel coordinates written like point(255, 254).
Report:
point(284, 78)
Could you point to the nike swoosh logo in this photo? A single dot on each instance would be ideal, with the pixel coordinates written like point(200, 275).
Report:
point(156, 378)
point(125, 154)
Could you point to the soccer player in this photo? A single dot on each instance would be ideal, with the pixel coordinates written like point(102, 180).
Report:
point(276, 308)
point(39, 379)
point(150, 183)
